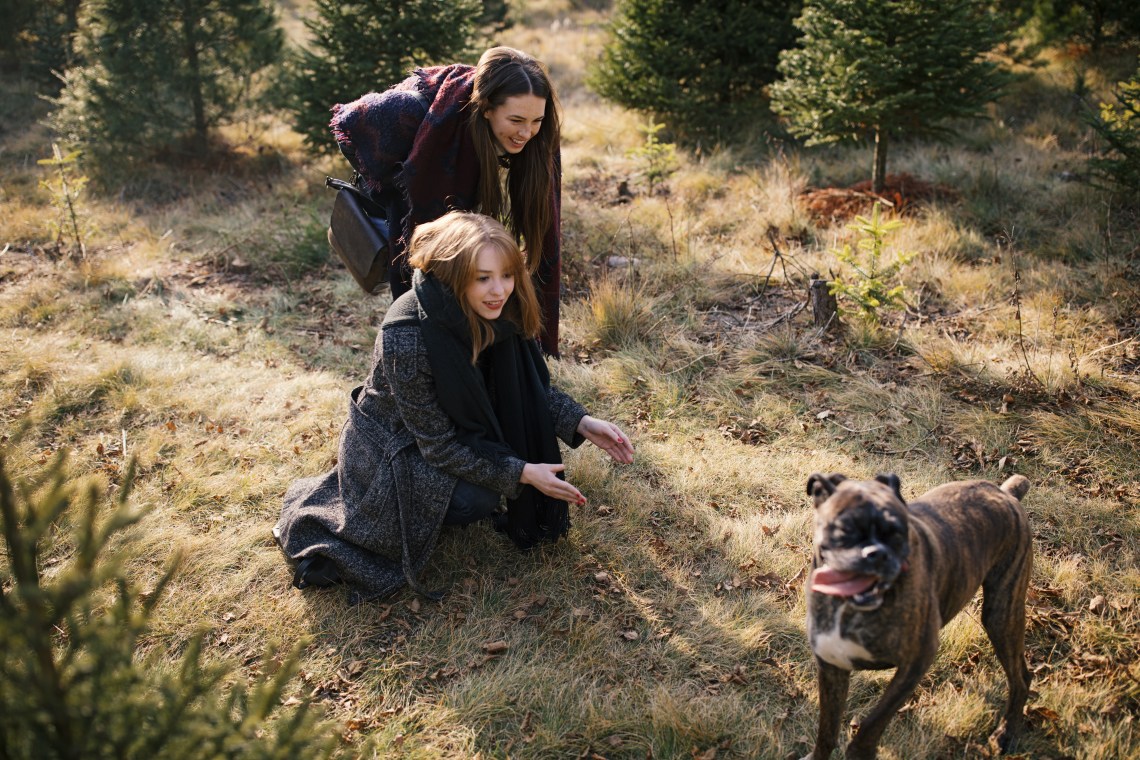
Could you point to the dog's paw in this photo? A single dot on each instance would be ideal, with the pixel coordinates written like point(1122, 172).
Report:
point(1002, 740)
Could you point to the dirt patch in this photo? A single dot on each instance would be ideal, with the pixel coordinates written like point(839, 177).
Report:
point(902, 192)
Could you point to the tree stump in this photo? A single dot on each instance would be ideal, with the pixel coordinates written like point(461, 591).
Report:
point(824, 311)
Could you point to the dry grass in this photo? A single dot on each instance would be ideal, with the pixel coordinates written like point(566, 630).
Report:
point(210, 333)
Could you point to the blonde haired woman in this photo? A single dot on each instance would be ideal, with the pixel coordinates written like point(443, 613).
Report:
point(457, 412)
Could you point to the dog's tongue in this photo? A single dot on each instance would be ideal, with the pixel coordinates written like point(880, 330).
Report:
point(827, 580)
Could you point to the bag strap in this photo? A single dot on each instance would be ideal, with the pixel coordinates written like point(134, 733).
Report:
point(371, 206)
point(340, 184)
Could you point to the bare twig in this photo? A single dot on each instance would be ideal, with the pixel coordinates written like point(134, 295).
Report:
point(672, 233)
point(896, 452)
point(1111, 346)
point(902, 326)
point(787, 316)
point(1020, 328)
point(825, 327)
point(694, 361)
point(853, 430)
point(776, 256)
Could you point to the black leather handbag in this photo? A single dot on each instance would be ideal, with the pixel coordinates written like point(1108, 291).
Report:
point(359, 235)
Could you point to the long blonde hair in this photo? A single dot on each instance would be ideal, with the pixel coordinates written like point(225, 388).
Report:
point(502, 73)
point(447, 248)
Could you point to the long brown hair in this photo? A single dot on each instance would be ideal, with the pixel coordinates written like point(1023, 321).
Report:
point(502, 73)
point(447, 248)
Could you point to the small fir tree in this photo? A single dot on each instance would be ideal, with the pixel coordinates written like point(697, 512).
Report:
point(361, 46)
point(873, 285)
point(699, 65)
point(72, 681)
point(1118, 126)
point(887, 69)
point(65, 186)
point(159, 75)
point(656, 160)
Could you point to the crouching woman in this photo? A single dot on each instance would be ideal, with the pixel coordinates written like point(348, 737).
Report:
point(457, 411)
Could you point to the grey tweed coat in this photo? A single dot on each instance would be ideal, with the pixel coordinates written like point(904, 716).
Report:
point(378, 513)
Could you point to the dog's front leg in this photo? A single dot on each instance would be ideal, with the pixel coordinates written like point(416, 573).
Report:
point(865, 744)
point(833, 683)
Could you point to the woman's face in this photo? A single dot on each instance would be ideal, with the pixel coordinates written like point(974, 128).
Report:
point(493, 283)
point(516, 121)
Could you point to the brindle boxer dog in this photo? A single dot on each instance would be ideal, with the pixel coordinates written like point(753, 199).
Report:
point(887, 575)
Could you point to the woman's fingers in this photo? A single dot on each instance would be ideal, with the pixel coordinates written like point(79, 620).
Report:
point(617, 444)
point(545, 478)
point(566, 492)
point(608, 437)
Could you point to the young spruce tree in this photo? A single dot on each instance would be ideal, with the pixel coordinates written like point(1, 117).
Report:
point(73, 683)
point(361, 46)
point(159, 75)
point(1118, 125)
point(885, 69)
point(700, 66)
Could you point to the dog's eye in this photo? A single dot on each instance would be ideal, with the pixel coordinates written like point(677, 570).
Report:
point(890, 529)
point(839, 535)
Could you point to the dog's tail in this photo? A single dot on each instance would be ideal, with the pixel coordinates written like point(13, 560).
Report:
point(1016, 486)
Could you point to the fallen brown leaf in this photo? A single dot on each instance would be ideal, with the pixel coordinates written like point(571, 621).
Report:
point(1043, 713)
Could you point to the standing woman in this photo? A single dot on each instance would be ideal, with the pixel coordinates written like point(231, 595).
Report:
point(457, 411)
point(483, 138)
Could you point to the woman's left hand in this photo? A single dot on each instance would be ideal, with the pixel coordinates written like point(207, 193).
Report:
point(607, 437)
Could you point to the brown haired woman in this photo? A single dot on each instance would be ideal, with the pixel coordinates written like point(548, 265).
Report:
point(457, 411)
point(482, 138)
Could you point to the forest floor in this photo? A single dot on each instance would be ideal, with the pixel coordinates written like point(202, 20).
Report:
point(208, 333)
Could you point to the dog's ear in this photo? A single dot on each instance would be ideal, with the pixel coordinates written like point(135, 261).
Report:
point(892, 480)
point(820, 486)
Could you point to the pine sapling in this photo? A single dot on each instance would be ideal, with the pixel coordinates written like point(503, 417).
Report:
point(874, 285)
point(74, 681)
point(657, 161)
point(65, 191)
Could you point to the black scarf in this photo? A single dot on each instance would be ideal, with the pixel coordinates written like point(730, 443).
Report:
point(500, 406)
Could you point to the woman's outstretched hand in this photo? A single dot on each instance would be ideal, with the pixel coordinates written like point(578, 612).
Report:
point(545, 478)
point(607, 437)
